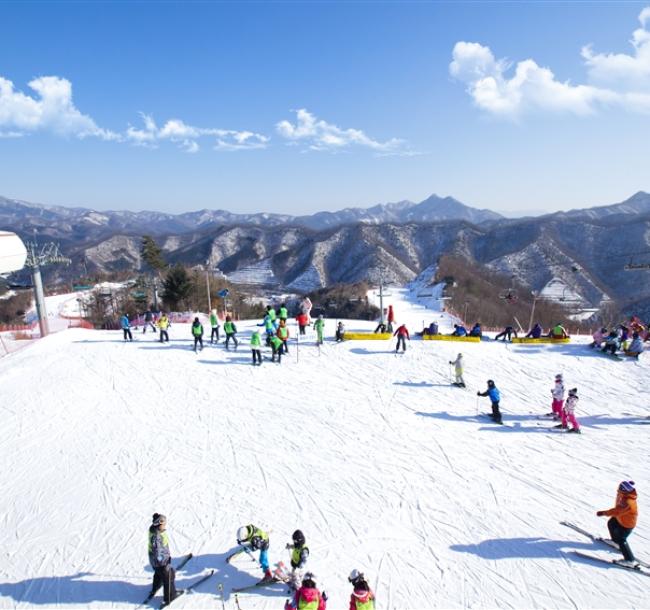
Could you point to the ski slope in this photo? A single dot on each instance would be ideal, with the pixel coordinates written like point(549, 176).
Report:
point(384, 466)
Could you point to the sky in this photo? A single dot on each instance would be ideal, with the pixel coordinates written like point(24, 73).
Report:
point(297, 107)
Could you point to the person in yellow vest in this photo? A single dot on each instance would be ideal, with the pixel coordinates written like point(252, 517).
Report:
point(299, 555)
point(160, 559)
point(256, 345)
point(283, 335)
point(231, 332)
point(255, 539)
point(163, 324)
point(362, 597)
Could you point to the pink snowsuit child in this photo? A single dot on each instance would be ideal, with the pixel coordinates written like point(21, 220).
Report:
point(569, 411)
point(558, 397)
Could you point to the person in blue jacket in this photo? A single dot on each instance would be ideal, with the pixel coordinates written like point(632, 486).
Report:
point(495, 397)
point(126, 327)
point(535, 332)
point(476, 330)
point(459, 331)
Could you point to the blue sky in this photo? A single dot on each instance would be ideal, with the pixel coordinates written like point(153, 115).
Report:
point(295, 107)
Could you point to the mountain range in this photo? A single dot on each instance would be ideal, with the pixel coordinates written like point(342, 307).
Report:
point(586, 249)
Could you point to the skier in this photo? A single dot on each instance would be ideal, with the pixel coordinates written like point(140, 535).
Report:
point(569, 413)
point(307, 597)
point(402, 334)
point(214, 325)
point(303, 321)
point(283, 334)
point(126, 327)
point(299, 556)
point(362, 597)
point(160, 559)
point(270, 312)
point(623, 519)
point(340, 332)
point(256, 344)
point(197, 333)
point(276, 346)
point(253, 538)
point(319, 326)
point(163, 324)
point(283, 313)
point(558, 397)
point(495, 396)
point(231, 332)
point(458, 369)
point(148, 321)
point(507, 333)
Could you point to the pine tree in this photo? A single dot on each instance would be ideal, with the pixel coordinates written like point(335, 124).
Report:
point(177, 286)
point(151, 254)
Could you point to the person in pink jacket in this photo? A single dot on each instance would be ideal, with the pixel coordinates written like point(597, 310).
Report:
point(558, 397)
point(307, 596)
point(362, 597)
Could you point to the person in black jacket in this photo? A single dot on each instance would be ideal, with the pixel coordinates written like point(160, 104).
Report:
point(160, 559)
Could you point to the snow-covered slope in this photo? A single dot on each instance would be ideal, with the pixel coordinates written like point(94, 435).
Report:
point(383, 465)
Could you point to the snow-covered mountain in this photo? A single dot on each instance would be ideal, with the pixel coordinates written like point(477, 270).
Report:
point(384, 466)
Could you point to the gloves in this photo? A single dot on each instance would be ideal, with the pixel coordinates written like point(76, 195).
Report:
point(324, 596)
point(600, 513)
point(288, 546)
point(478, 393)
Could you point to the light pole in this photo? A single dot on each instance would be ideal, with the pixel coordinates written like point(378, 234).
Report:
point(207, 284)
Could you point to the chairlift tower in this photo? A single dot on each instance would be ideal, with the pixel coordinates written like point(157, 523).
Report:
point(48, 254)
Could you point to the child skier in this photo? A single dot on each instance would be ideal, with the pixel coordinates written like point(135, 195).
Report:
point(558, 397)
point(623, 519)
point(283, 334)
point(197, 333)
point(495, 396)
point(163, 324)
point(253, 538)
point(402, 335)
point(126, 327)
point(214, 325)
point(362, 597)
point(340, 332)
point(160, 559)
point(276, 346)
point(299, 556)
point(458, 369)
point(307, 597)
point(256, 344)
point(569, 412)
point(231, 332)
point(319, 325)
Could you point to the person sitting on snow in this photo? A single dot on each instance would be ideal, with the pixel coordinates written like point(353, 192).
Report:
point(636, 347)
point(507, 333)
point(476, 330)
point(459, 331)
point(535, 332)
point(612, 343)
point(558, 332)
point(598, 337)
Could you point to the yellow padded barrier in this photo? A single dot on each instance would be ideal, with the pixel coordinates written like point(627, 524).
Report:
point(541, 340)
point(451, 338)
point(366, 336)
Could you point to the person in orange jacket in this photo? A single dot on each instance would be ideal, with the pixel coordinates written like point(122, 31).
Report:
point(623, 518)
point(362, 597)
point(402, 335)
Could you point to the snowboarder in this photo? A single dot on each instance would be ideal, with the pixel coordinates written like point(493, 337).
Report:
point(126, 327)
point(558, 397)
point(495, 396)
point(231, 332)
point(340, 332)
point(362, 597)
point(197, 333)
point(402, 335)
point(276, 346)
point(507, 333)
point(458, 369)
point(163, 324)
point(256, 539)
point(319, 326)
point(569, 412)
point(214, 325)
point(256, 344)
point(307, 597)
point(160, 559)
point(299, 556)
point(623, 519)
point(283, 334)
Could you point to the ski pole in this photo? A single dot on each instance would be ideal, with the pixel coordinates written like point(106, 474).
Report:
point(477, 405)
point(237, 602)
point(220, 589)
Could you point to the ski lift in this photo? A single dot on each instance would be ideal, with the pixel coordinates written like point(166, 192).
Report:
point(509, 295)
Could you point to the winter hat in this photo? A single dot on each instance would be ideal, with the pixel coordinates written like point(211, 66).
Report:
point(490, 383)
point(157, 519)
point(626, 486)
point(559, 376)
point(573, 392)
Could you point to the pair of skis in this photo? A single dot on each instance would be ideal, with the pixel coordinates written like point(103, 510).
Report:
point(641, 567)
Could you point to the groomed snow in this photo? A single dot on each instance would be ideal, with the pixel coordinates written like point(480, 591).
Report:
point(383, 465)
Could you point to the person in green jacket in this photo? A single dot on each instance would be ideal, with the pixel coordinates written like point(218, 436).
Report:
point(319, 325)
point(231, 332)
point(276, 346)
point(197, 333)
point(214, 324)
point(284, 314)
point(256, 344)
point(283, 333)
point(271, 313)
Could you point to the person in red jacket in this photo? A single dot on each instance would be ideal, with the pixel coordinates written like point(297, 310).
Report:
point(307, 596)
point(402, 335)
point(623, 518)
point(303, 322)
point(362, 597)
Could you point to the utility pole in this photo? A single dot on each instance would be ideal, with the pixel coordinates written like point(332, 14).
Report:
point(207, 283)
point(381, 298)
point(49, 254)
point(532, 311)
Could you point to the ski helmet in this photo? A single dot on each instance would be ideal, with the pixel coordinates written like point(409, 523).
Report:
point(309, 580)
point(298, 538)
point(244, 532)
point(355, 575)
point(157, 519)
point(626, 486)
point(490, 383)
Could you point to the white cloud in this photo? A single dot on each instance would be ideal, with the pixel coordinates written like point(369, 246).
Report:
point(51, 109)
point(320, 135)
point(614, 80)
